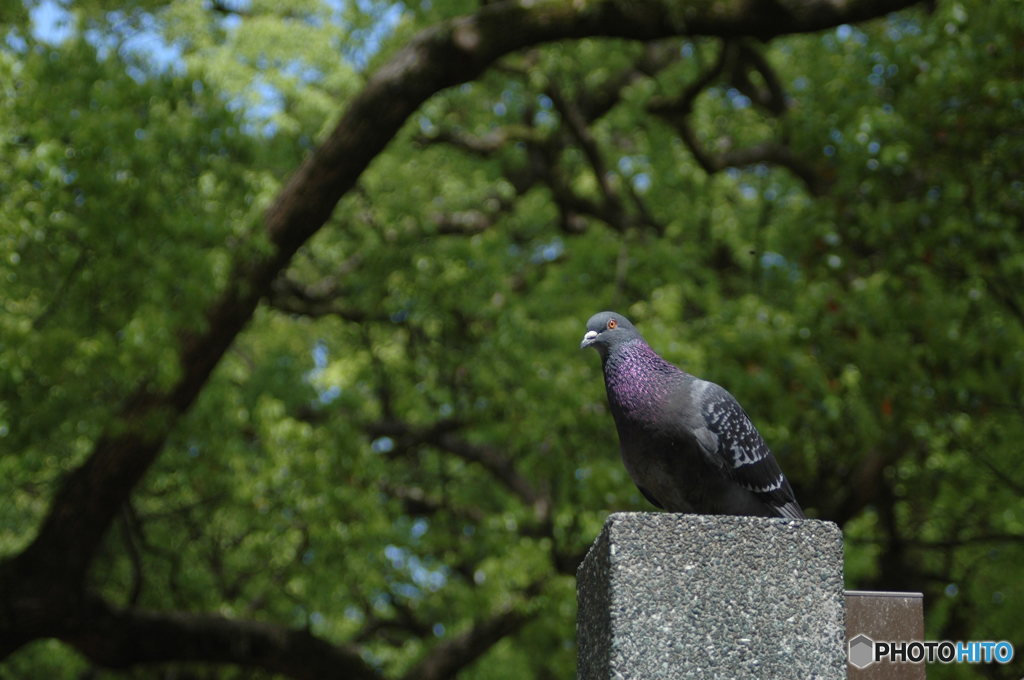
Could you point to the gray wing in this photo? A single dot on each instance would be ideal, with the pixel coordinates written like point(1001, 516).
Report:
point(650, 497)
point(734, 444)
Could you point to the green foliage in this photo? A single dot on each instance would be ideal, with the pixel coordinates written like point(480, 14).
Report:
point(334, 473)
point(121, 199)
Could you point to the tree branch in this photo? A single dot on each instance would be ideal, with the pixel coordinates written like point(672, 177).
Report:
point(129, 528)
point(325, 297)
point(484, 146)
point(453, 654)
point(735, 57)
point(577, 114)
point(595, 102)
point(221, 7)
point(577, 125)
point(771, 153)
point(771, 98)
point(682, 104)
point(442, 436)
point(131, 637)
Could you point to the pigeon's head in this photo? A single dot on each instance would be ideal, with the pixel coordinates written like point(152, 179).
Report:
point(606, 330)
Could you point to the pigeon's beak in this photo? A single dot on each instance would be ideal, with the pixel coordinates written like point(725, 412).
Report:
point(588, 339)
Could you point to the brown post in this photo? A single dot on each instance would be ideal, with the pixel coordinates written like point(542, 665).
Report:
point(873, 616)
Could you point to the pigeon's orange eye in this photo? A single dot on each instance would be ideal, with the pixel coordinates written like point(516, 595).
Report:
point(612, 323)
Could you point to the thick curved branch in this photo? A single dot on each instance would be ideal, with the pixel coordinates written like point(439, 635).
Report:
point(455, 51)
point(132, 637)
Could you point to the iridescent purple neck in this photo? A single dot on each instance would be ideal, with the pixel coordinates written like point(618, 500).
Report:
point(638, 381)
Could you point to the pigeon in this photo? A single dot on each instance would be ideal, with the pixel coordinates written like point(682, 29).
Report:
point(686, 442)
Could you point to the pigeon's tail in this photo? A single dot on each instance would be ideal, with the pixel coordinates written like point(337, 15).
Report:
point(791, 510)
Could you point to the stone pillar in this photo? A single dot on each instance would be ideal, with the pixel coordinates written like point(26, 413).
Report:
point(685, 597)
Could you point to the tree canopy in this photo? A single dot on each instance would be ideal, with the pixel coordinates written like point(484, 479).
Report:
point(293, 291)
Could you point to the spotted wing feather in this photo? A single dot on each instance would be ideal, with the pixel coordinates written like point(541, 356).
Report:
point(742, 452)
